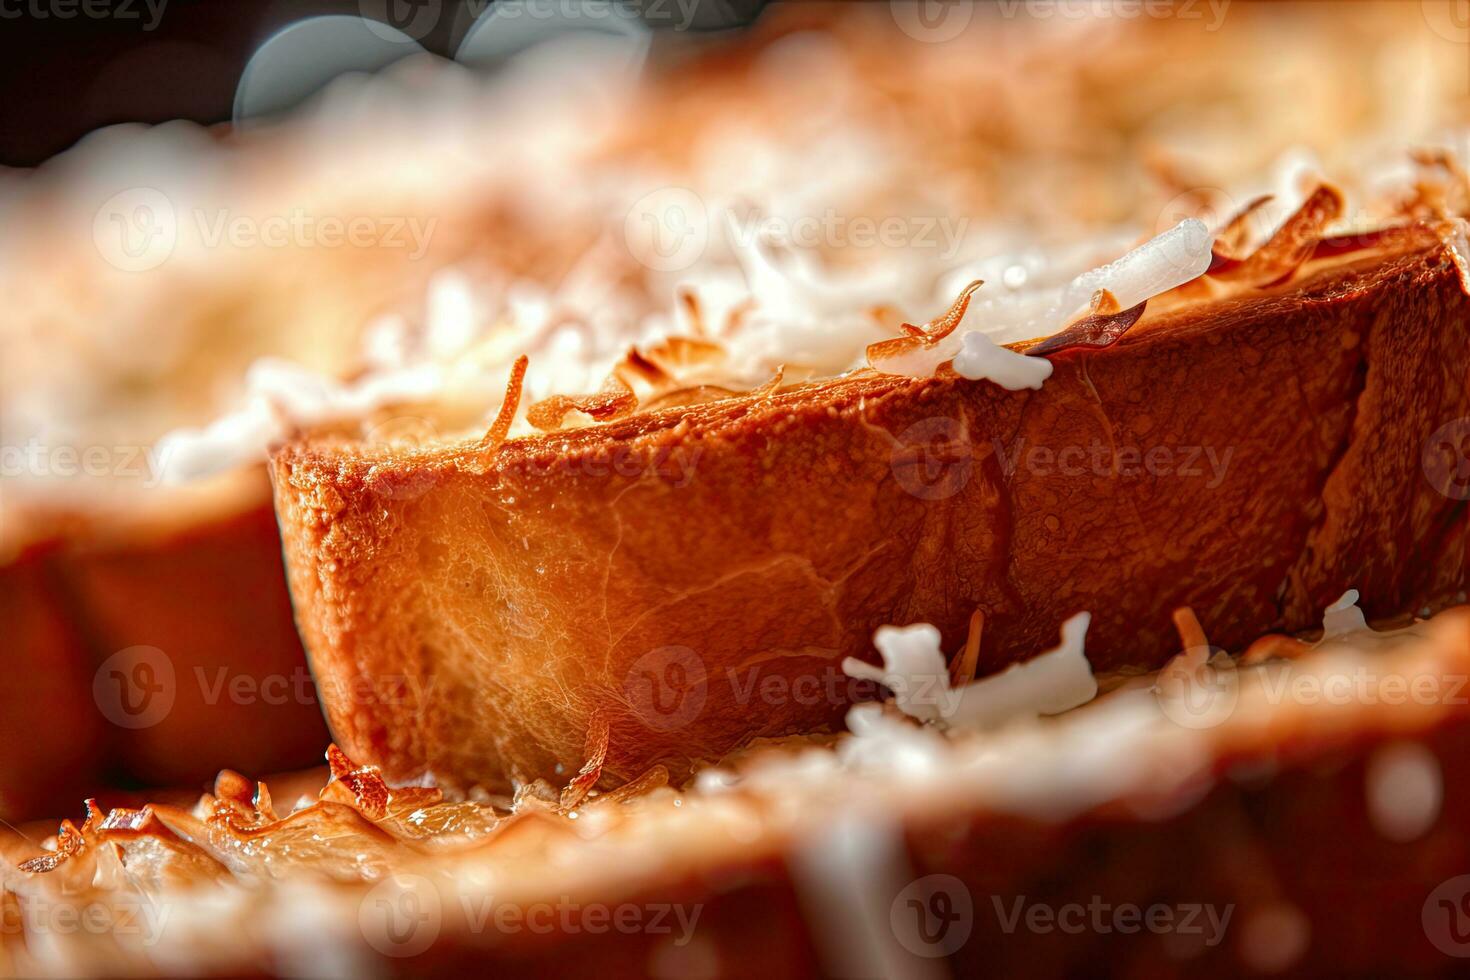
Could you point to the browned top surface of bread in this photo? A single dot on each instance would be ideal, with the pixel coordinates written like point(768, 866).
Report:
point(1251, 457)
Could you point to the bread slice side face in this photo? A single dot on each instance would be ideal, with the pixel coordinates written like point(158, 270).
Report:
point(693, 577)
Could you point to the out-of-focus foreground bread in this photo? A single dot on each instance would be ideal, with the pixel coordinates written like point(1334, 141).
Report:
point(693, 577)
point(1299, 811)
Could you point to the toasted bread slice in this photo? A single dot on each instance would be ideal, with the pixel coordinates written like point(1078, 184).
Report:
point(205, 599)
point(691, 578)
point(1308, 819)
point(152, 632)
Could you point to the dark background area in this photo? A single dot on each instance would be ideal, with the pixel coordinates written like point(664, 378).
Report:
point(70, 66)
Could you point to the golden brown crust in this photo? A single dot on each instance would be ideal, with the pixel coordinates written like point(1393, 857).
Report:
point(700, 572)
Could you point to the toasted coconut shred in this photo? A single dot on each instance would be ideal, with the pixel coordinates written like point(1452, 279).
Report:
point(780, 311)
point(616, 335)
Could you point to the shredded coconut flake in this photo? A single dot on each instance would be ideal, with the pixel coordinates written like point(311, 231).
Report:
point(1343, 617)
point(982, 359)
point(914, 670)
